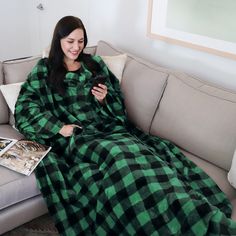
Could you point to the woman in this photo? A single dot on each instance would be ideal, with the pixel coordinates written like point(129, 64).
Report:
point(104, 176)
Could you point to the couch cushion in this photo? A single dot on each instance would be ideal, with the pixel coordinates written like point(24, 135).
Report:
point(9, 132)
point(198, 117)
point(143, 87)
point(10, 93)
point(116, 64)
point(3, 105)
point(112, 56)
point(106, 49)
point(15, 187)
point(142, 84)
point(19, 214)
point(18, 70)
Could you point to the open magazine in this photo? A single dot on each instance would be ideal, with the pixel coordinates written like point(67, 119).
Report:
point(21, 155)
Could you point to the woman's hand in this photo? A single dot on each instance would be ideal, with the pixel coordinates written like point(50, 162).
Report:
point(67, 130)
point(100, 92)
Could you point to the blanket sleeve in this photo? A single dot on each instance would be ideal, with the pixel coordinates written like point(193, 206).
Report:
point(32, 117)
point(114, 103)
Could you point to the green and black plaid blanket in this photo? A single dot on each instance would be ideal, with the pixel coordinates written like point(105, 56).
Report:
point(111, 178)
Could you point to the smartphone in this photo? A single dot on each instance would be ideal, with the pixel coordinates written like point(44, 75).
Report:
point(99, 79)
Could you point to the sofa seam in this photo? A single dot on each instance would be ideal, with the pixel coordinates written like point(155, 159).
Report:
point(158, 104)
point(22, 200)
point(20, 60)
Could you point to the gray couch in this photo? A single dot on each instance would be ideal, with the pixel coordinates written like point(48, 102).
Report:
point(196, 116)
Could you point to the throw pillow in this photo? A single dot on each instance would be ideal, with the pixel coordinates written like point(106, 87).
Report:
point(10, 93)
point(45, 52)
point(232, 172)
point(116, 64)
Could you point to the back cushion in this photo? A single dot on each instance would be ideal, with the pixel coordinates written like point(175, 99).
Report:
point(106, 49)
point(17, 70)
point(198, 117)
point(142, 85)
point(3, 105)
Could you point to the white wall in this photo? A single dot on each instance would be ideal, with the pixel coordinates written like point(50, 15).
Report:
point(122, 23)
point(55, 10)
point(26, 31)
point(14, 31)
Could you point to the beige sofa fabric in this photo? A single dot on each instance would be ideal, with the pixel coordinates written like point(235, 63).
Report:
point(142, 84)
point(106, 49)
point(18, 70)
point(199, 119)
point(3, 105)
point(15, 187)
point(1, 73)
point(21, 213)
point(142, 87)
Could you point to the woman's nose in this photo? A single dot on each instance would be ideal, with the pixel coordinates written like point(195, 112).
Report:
point(76, 46)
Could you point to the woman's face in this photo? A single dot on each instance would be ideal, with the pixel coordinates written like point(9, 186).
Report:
point(73, 44)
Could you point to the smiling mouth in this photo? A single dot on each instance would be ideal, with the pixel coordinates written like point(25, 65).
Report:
point(74, 53)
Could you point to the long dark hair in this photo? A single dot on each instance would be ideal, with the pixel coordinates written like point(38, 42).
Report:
point(62, 29)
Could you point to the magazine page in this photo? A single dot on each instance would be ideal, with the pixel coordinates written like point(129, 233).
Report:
point(23, 156)
point(5, 144)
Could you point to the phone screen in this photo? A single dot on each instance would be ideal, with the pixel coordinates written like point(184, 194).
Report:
point(100, 79)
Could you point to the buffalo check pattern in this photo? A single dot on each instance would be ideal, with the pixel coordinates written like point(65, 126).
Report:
point(110, 178)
